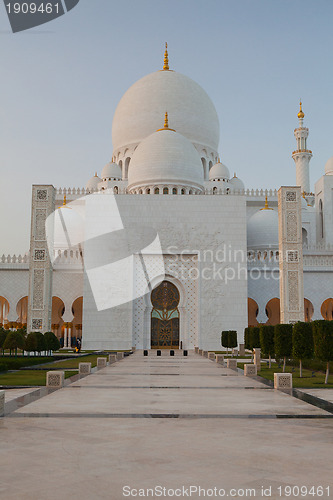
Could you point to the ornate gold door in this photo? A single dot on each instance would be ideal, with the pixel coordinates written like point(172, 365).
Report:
point(165, 317)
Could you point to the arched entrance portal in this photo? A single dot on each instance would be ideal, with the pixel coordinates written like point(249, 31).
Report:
point(165, 316)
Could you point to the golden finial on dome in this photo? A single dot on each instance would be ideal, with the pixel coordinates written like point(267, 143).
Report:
point(166, 120)
point(266, 207)
point(166, 58)
point(96, 174)
point(65, 200)
point(166, 124)
point(300, 114)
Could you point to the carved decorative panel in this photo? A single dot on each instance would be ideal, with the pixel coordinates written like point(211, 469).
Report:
point(38, 289)
point(39, 255)
point(41, 195)
point(291, 196)
point(41, 215)
point(36, 324)
point(292, 255)
point(293, 292)
point(291, 226)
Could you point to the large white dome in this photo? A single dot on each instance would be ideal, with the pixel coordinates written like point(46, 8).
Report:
point(165, 158)
point(263, 230)
point(191, 111)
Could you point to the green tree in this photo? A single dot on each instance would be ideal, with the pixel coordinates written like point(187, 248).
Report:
point(323, 342)
point(51, 342)
point(224, 339)
point(40, 343)
point(302, 342)
point(266, 333)
point(30, 344)
point(229, 339)
point(14, 340)
point(283, 342)
point(232, 338)
point(247, 333)
point(3, 335)
point(255, 337)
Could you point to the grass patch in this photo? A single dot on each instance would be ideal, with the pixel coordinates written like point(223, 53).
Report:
point(10, 363)
point(74, 362)
point(27, 377)
point(306, 382)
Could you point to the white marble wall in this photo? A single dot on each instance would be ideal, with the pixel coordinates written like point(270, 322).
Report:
point(190, 224)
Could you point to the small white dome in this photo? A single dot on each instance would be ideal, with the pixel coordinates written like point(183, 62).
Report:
point(263, 230)
point(111, 171)
point(236, 184)
point(139, 111)
point(329, 166)
point(165, 157)
point(92, 184)
point(219, 172)
point(65, 228)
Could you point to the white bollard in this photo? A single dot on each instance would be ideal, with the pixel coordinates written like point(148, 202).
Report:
point(84, 368)
point(112, 358)
point(232, 364)
point(219, 358)
point(257, 358)
point(211, 355)
point(55, 379)
point(250, 370)
point(283, 381)
point(101, 362)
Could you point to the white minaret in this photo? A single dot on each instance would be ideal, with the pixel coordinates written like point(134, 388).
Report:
point(302, 155)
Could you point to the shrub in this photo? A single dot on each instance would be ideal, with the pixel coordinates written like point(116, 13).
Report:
point(247, 333)
point(302, 339)
point(266, 334)
point(51, 342)
point(3, 367)
point(31, 342)
point(229, 339)
point(255, 337)
point(283, 342)
point(323, 342)
point(3, 335)
point(40, 342)
point(14, 340)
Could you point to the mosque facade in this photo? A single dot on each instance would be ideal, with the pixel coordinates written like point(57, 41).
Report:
point(166, 247)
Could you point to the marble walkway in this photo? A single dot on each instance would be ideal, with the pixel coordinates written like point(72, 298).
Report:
point(164, 422)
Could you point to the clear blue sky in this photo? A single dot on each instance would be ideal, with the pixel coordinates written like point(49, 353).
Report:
point(61, 82)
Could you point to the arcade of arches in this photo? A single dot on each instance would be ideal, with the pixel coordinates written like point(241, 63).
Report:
point(67, 332)
point(272, 310)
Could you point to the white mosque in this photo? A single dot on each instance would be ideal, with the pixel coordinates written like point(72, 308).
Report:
point(167, 248)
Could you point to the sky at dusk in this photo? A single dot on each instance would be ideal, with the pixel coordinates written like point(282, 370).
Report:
point(61, 82)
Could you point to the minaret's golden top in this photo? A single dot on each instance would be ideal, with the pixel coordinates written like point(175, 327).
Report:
point(166, 58)
point(300, 114)
point(166, 124)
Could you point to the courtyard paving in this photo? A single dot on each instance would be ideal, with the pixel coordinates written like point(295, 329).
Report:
point(174, 422)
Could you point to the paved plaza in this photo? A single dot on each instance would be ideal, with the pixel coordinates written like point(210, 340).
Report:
point(173, 422)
